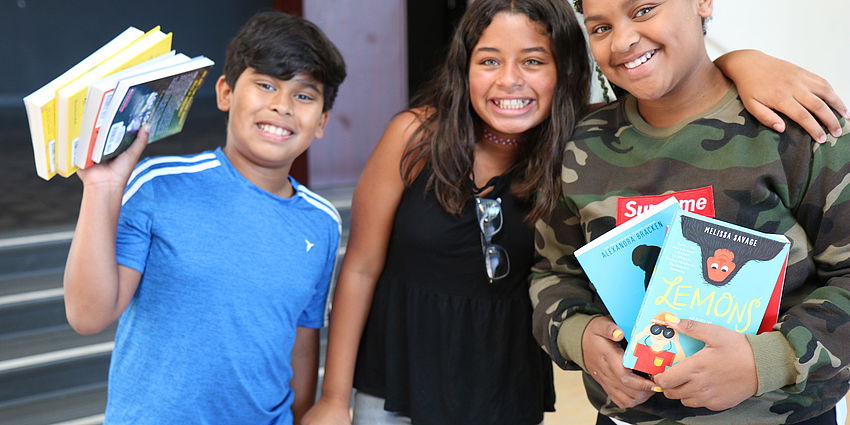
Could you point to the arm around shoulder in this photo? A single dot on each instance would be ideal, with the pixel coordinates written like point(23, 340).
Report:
point(766, 83)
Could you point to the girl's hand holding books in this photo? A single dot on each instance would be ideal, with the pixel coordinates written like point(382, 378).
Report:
point(603, 360)
point(718, 377)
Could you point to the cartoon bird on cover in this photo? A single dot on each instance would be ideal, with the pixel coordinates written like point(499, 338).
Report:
point(721, 259)
point(657, 346)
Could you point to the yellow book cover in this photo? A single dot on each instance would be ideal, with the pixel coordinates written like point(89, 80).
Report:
point(71, 99)
point(41, 104)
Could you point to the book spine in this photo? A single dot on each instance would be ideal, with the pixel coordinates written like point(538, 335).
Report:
point(104, 101)
point(48, 119)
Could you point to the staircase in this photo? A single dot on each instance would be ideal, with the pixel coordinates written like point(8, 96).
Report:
point(49, 374)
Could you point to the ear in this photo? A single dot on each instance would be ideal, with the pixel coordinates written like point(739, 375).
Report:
point(323, 121)
point(705, 8)
point(223, 93)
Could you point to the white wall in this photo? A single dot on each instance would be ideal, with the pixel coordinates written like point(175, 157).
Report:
point(814, 34)
point(371, 35)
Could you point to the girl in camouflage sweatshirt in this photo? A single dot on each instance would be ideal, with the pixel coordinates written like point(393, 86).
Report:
point(685, 132)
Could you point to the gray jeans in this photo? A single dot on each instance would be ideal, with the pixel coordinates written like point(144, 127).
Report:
point(369, 410)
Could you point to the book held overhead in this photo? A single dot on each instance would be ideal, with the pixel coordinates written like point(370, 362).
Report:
point(69, 115)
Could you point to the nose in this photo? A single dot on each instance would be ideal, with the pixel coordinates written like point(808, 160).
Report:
point(511, 75)
point(282, 104)
point(624, 38)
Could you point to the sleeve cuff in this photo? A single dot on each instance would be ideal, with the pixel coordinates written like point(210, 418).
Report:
point(774, 359)
point(569, 337)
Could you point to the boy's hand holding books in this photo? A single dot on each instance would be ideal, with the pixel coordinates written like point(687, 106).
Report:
point(115, 173)
point(603, 359)
point(719, 376)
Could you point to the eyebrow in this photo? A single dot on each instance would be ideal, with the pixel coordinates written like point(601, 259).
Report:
point(307, 83)
point(593, 18)
point(540, 49)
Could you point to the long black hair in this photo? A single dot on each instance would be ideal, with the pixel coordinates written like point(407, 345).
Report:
point(446, 138)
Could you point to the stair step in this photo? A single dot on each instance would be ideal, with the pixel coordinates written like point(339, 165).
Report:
point(36, 252)
point(82, 405)
point(54, 371)
point(31, 311)
point(21, 283)
point(46, 340)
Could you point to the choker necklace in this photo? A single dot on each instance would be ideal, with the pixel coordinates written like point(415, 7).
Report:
point(506, 141)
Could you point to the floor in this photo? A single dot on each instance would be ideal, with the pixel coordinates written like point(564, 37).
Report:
point(571, 405)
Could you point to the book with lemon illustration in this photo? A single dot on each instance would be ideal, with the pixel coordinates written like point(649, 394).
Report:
point(712, 272)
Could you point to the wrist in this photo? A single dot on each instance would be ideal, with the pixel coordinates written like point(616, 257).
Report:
point(570, 336)
point(103, 190)
point(774, 360)
point(336, 399)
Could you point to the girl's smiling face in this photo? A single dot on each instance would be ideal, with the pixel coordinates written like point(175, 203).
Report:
point(650, 49)
point(512, 75)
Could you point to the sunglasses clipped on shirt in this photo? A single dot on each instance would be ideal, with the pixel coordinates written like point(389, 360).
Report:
point(496, 260)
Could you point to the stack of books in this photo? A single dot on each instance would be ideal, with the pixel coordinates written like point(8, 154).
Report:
point(92, 112)
point(672, 261)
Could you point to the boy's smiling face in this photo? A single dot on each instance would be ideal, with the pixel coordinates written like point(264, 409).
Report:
point(270, 121)
point(651, 49)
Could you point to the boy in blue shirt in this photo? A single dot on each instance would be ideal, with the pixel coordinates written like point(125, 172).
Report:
point(223, 260)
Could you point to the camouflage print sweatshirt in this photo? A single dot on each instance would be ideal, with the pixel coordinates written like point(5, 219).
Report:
point(751, 176)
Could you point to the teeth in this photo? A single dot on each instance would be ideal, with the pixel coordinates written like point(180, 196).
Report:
point(275, 130)
point(513, 103)
point(639, 61)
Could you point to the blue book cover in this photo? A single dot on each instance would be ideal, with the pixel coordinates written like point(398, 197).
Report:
point(709, 271)
point(620, 262)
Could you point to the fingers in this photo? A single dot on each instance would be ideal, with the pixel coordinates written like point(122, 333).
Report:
point(795, 111)
point(615, 333)
point(125, 162)
point(764, 114)
point(606, 328)
point(823, 90)
point(627, 389)
point(603, 360)
point(135, 149)
point(703, 379)
point(674, 378)
point(702, 331)
point(682, 383)
point(822, 112)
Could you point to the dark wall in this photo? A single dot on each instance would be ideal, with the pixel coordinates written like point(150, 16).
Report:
point(429, 28)
point(43, 38)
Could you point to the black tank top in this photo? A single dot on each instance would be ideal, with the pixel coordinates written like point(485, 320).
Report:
point(442, 344)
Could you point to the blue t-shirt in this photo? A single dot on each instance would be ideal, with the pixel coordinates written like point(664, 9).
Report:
point(228, 271)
